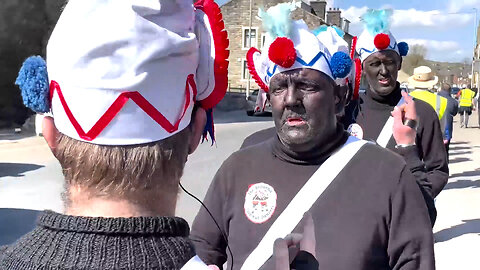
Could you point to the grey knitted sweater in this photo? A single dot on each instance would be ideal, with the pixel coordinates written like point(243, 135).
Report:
point(69, 242)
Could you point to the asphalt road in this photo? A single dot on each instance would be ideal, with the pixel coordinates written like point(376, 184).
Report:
point(30, 178)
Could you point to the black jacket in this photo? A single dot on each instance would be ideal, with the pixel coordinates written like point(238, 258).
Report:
point(451, 111)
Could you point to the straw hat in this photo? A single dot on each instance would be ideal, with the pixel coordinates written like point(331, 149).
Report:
point(422, 78)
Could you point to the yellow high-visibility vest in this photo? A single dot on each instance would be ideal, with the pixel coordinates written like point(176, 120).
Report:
point(466, 98)
point(438, 103)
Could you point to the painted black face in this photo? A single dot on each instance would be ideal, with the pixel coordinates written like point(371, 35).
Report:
point(381, 70)
point(304, 104)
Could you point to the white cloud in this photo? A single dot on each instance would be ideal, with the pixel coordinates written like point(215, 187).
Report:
point(435, 45)
point(431, 18)
point(412, 18)
point(456, 5)
point(449, 51)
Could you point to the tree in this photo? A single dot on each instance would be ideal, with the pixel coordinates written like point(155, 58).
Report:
point(415, 58)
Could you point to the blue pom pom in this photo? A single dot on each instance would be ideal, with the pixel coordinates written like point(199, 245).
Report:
point(33, 82)
point(403, 48)
point(341, 65)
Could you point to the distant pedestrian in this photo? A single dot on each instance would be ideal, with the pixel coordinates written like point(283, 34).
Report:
point(466, 105)
point(477, 99)
point(451, 111)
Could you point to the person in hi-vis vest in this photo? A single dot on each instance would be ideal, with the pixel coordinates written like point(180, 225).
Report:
point(477, 100)
point(422, 81)
point(465, 100)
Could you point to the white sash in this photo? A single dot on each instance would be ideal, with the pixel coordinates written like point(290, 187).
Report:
point(387, 131)
point(195, 263)
point(302, 202)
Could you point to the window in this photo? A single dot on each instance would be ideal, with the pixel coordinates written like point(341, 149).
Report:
point(245, 71)
point(264, 37)
point(246, 36)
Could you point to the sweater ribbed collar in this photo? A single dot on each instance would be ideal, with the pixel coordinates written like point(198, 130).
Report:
point(169, 226)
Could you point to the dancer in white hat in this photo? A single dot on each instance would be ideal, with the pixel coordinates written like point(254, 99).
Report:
point(367, 210)
point(128, 84)
point(409, 128)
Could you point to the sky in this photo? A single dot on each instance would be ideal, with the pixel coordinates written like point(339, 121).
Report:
point(445, 27)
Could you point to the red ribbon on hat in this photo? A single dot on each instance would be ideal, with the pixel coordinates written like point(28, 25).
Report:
point(118, 104)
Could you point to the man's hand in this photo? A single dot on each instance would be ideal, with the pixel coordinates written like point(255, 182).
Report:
point(404, 135)
point(306, 241)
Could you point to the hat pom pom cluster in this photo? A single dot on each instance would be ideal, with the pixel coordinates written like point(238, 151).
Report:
point(381, 41)
point(282, 52)
point(341, 65)
point(33, 82)
point(403, 48)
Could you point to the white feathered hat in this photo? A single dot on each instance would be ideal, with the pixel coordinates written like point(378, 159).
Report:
point(291, 45)
point(376, 35)
point(129, 72)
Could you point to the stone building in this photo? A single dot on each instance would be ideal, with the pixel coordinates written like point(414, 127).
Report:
point(236, 15)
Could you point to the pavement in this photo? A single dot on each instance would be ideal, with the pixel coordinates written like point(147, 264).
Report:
point(457, 229)
point(30, 178)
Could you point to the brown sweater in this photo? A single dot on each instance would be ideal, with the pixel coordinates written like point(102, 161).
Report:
point(371, 217)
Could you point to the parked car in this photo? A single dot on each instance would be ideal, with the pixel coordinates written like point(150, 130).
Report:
point(251, 104)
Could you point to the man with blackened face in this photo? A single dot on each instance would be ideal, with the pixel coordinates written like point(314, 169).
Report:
point(393, 119)
point(381, 71)
point(304, 104)
point(366, 209)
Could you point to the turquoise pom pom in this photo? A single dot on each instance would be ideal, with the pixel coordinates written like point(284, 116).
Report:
point(33, 82)
point(277, 20)
point(324, 28)
point(403, 48)
point(320, 29)
point(341, 65)
point(377, 21)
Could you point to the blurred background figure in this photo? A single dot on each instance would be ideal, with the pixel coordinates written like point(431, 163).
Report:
point(422, 82)
point(466, 105)
point(451, 111)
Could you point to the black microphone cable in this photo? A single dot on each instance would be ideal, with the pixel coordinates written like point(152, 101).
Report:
point(216, 223)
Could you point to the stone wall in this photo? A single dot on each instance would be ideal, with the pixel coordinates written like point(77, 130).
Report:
point(24, 29)
point(236, 16)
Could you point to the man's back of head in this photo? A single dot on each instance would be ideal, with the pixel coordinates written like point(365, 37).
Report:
point(129, 98)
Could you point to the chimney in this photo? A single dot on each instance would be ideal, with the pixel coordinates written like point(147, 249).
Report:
point(334, 17)
point(319, 7)
point(345, 25)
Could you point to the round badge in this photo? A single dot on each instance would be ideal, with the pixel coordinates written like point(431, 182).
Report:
point(260, 202)
point(355, 130)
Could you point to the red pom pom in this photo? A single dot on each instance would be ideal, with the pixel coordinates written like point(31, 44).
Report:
point(282, 52)
point(382, 41)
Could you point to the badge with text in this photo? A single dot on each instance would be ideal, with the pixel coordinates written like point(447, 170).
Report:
point(356, 131)
point(260, 202)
